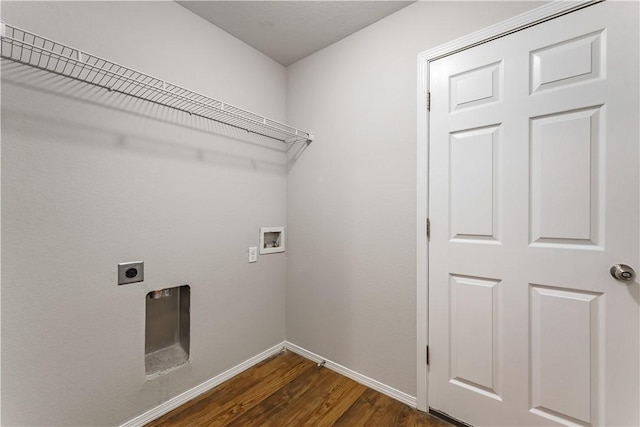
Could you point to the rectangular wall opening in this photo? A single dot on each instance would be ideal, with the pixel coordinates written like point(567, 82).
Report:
point(167, 329)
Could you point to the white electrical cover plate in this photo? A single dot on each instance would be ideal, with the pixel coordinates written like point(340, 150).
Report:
point(253, 254)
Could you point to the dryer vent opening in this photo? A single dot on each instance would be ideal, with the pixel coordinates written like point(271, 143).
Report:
point(167, 329)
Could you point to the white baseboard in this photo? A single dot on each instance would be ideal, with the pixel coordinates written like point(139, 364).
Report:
point(173, 403)
point(358, 377)
point(183, 398)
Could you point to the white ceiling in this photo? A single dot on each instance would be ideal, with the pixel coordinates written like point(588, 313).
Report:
point(287, 31)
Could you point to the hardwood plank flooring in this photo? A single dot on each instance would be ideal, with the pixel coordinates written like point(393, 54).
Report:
point(289, 390)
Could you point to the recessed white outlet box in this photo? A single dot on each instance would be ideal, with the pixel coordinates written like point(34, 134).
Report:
point(253, 254)
point(271, 240)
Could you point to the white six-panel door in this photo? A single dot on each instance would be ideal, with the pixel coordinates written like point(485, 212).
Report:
point(533, 196)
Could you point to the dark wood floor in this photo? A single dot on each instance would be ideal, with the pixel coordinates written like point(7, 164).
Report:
point(289, 390)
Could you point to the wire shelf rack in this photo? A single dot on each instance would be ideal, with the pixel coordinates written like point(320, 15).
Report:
point(31, 49)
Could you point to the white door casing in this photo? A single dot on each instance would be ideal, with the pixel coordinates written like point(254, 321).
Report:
point(533, 195)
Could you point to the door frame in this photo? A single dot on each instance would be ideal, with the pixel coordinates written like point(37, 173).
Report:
point(504, 28)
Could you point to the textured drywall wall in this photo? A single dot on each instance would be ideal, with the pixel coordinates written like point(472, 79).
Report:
point(351, 200)
point(91, 179)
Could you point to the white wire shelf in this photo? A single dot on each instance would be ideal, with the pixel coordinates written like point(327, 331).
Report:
point(31, 49)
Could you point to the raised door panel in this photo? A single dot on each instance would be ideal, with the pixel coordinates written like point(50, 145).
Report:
point(565, 178)
point(565, 368)
point(474, 184)
point(571, 61)
point(475, 335)
point(476, 87)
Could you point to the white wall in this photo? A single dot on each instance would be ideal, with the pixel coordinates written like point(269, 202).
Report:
point(351, 200)
point(85, 187)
